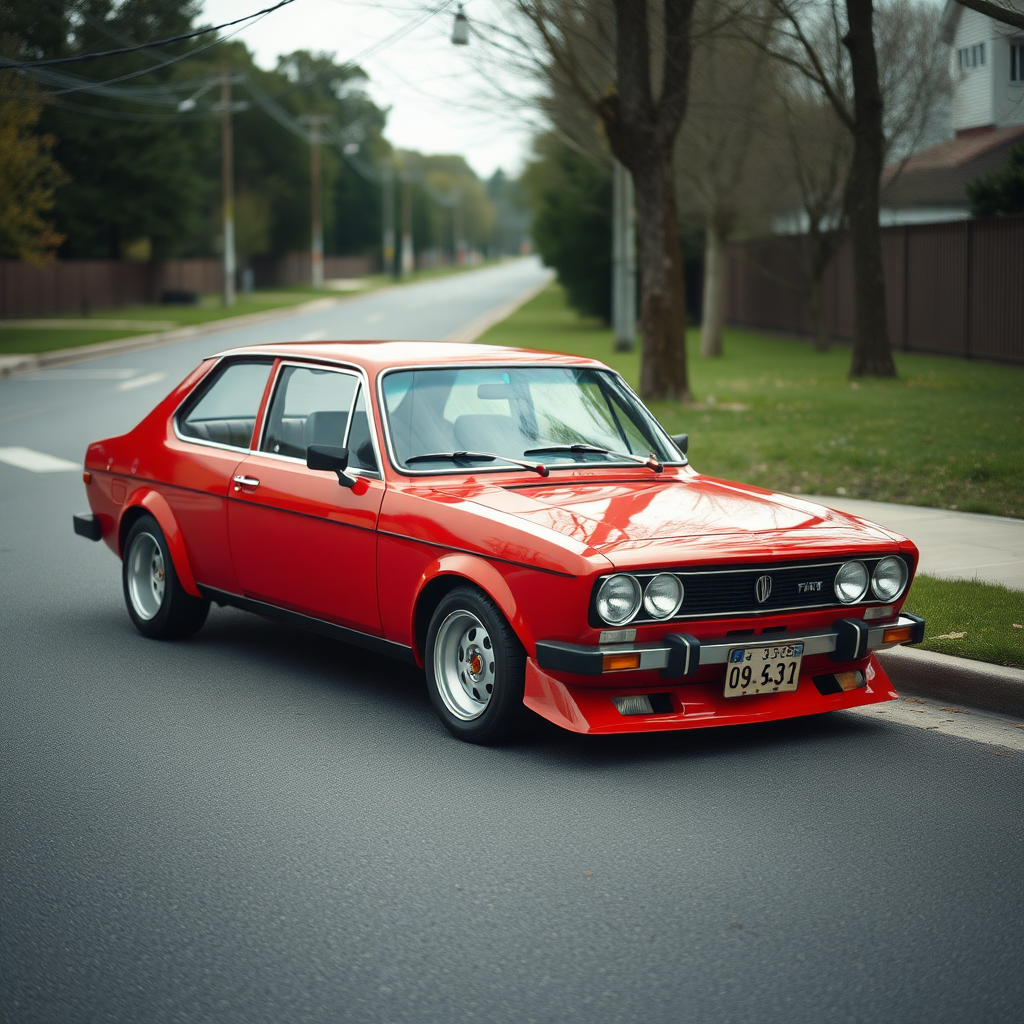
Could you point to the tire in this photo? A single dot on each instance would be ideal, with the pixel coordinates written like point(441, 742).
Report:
point(157, 604)
point(484, 706)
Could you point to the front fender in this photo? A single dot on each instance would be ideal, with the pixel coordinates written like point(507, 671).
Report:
point(156, 505)
point(478, 570)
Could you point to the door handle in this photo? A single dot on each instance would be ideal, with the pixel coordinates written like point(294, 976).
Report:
point(245, 481)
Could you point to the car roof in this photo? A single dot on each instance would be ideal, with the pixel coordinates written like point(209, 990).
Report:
point(384, 355)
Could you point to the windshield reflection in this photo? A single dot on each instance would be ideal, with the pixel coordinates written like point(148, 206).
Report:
point(512, 411)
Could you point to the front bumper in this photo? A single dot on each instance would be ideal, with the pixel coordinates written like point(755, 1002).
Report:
point(680, 655)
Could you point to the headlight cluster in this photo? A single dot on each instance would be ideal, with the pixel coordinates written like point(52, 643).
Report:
point(887, 582)
point(619, 598)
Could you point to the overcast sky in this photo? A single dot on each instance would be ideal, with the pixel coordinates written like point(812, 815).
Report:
point(438, 97)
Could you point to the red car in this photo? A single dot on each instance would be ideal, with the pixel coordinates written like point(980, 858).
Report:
point(515, 522)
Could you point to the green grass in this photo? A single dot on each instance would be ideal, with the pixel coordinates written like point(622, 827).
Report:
point(945, 433)
point(970, 619)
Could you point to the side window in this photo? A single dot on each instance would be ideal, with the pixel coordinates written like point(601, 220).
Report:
point(225, 410)
point(360, 447)
point(310, 406)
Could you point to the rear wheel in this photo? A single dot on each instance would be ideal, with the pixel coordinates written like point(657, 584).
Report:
point(157, 602)
point(476, 668)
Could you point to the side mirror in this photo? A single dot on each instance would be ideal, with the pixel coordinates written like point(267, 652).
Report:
point(329, 458)
point(681, 441)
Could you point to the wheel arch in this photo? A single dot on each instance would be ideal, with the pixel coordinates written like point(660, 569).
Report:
point(455, 570)
point(155, 504)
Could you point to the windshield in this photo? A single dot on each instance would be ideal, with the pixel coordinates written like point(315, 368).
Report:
point(514, 410)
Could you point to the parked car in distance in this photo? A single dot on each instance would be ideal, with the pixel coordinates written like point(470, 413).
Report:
point(515, 522)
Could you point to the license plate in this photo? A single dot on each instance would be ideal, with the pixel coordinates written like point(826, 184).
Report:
point(766, 668)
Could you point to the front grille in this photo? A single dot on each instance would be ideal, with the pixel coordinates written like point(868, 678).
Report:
point(718, 593)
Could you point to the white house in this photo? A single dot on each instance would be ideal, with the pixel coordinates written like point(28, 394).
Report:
point(987, 69)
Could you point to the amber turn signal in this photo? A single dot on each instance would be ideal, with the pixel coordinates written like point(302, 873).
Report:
point(619, 662)
point(897, 635)
point(87, 477)
point(850, 680)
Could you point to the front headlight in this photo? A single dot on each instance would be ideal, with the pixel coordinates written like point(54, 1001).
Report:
point(618, 599)
point(851, 582)
point(889, 579)
point(663, 596)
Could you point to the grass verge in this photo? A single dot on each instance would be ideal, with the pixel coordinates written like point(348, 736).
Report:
point(15, 340)
point(975, 620)
point(945, 433)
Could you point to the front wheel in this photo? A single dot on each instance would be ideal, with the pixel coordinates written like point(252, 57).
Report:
point(157, 603)
point(476, 668)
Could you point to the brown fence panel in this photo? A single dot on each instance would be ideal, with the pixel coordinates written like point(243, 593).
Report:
point(996, 322)
point(937, 287)
point(955, 287)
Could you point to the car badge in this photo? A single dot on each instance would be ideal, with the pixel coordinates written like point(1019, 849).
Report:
point(763, 588)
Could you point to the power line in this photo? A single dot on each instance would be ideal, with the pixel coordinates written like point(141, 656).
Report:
point(141, 46)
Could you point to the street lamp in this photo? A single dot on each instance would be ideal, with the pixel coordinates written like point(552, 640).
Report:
point(460, 30)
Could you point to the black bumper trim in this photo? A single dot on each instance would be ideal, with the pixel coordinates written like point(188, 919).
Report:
point(88, 526)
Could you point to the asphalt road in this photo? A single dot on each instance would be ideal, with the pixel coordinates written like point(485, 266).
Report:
point(260, 825)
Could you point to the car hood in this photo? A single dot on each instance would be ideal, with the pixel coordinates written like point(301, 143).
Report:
point(685, 519)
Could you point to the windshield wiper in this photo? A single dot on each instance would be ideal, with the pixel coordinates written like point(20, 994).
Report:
point(591, 449)
point(537, 467)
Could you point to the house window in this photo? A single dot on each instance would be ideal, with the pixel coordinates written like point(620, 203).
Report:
point(971, 57)
point(1017, 62)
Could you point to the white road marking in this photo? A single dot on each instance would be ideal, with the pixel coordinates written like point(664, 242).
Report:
point(140, 382)
point(78, 373)
point(314, 336)
point(993, 730)
point(37, 462)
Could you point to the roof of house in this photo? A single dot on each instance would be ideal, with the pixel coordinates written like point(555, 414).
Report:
point(956, 153)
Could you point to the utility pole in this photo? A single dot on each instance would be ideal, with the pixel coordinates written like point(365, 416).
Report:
point(408, 258)
point(460, 241)
point(623, 260)
point(387, 181)
point(316, 248)
point(227, 187)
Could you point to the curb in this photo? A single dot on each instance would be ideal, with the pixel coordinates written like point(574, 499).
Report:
point(955, 680)
point(475, 328)
point(58, 357)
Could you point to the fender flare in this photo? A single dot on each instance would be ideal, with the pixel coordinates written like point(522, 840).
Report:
point(479, 571)
point(157, 506)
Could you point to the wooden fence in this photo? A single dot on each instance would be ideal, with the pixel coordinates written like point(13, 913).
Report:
point(81, 286)
point(955, 288)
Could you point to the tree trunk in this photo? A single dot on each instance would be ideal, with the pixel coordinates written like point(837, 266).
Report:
point(713, 318)
point(871, 353)
point(662, 288)
point(816, 306)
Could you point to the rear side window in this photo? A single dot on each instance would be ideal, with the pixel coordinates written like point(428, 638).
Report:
point(224, 412)
point(310, 406)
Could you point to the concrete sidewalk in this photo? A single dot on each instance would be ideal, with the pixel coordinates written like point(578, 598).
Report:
point(954, 544)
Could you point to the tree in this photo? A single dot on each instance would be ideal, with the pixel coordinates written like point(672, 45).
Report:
point(629, 64)
point(1001, 12)
point(857, 61)
point(812, 150)
point(571, 198)
point(29, 176)
point(729, 94)
point(999, 192)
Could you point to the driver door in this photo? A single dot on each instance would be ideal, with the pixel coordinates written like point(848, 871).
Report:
point(299, 539)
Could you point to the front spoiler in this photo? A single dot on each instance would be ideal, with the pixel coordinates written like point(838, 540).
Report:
point(700, 705)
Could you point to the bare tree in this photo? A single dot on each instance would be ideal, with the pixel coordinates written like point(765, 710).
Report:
point(729, 98)
point(862, 62)
point(629, 64)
